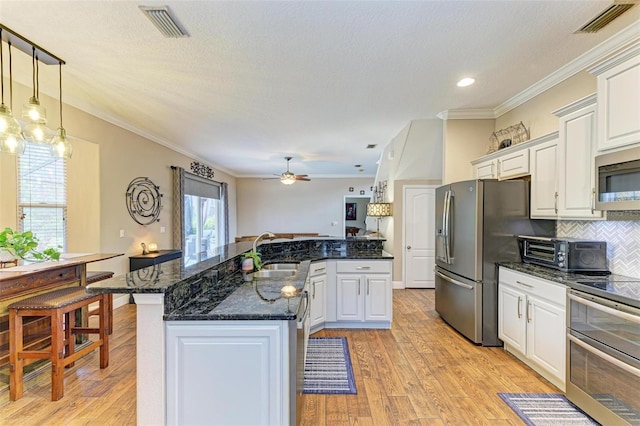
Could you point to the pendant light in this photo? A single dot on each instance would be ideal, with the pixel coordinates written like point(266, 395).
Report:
point(60, 145)
point(36, 130)
point(10, 132)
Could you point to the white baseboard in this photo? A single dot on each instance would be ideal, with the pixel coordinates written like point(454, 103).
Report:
point(398, 285)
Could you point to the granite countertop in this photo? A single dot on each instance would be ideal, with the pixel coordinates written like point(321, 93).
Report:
point(615, 287)
point(215, 289)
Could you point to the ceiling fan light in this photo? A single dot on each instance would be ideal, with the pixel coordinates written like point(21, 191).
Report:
point(60, 145)
point(37, 132)
point(287, 178)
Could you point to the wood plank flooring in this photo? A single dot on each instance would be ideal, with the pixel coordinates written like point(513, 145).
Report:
point(421, 372)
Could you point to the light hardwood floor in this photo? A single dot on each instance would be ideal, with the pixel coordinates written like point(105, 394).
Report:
point(421, 372)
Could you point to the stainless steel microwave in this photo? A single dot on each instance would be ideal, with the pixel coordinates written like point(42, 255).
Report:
point(618, 180)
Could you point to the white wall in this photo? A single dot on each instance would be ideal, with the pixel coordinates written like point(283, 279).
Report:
point(465, 140)
point(268, 205)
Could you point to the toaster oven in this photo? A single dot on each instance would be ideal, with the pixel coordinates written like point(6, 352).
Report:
point(565, 254)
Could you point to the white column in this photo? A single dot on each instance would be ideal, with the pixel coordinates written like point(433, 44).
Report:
point(150, 375)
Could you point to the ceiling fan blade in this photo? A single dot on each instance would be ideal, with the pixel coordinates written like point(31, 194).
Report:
point(303, 178)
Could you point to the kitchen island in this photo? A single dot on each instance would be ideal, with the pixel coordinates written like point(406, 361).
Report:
point(204, 332)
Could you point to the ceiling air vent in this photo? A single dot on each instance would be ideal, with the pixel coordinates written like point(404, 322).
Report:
point(605, 17)
point(164, 21)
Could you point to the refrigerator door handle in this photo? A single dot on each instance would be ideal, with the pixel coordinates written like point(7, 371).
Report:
point(447, 228)
point(452, 281)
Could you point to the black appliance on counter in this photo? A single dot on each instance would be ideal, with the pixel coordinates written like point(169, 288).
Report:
point(476, 226)
point(565, 254)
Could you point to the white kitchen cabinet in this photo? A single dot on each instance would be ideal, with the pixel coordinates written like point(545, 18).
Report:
point(513, 164)
point(317, 294)
point(229, 372)
point(364, 294)
point(531, 322)
point(509, 165)
point(544, 189)
point(486, 169)
point(618, 82)
point(576, 166)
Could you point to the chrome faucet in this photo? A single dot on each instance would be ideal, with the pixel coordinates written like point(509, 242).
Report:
point(261, 236)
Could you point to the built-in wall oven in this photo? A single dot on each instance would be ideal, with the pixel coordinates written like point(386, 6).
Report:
point(603, 356)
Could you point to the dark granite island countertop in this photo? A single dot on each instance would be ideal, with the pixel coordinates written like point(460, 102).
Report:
point(214, 287)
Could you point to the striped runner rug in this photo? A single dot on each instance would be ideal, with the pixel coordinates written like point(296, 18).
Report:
point(546, 409)
point(328, 367)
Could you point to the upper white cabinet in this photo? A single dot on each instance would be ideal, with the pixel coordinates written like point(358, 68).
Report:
point(619, 100)
point(576, 153)
point(544, 180)
point(512, 164)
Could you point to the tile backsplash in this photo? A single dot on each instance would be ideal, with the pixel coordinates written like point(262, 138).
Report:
point(622, 237)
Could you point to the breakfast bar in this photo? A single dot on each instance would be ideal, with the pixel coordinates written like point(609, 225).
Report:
point(216, 305)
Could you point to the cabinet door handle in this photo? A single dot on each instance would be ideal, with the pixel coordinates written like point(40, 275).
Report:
point(519, 307)
point(358, 287)
point(528, 311)
point(556, 202)
point(524, 284)
point(314, 290)
point(408, 247)
point(593, 201)
point(368, 285)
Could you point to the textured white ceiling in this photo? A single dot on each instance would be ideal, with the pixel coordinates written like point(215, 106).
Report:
point(316, 80)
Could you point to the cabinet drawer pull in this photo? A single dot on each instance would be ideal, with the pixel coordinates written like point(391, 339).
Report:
point(524, 284)
point(360, 268)
point(318, 270)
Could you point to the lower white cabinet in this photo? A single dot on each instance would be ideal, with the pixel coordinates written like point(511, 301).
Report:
point(531, 322)
point(364, 293)
point(229, 372)
point(317, 294)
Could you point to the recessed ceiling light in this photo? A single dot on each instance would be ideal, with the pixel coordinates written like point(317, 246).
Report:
point(467, 81)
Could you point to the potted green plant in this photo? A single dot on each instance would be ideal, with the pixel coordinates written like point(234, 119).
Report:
point(257, 261)
point(23, 245)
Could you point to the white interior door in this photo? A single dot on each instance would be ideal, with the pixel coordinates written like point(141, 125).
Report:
point(419, 236)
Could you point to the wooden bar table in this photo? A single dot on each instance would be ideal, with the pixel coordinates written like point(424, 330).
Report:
point(22, 281)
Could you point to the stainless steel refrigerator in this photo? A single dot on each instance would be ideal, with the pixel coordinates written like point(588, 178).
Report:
point(476, 225)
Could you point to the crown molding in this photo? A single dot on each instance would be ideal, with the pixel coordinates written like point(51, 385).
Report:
point(577, 105)
point(467, 114)
point(628, 35)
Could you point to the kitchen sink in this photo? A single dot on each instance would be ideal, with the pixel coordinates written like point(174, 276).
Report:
point(273, 273)
point(281, 266)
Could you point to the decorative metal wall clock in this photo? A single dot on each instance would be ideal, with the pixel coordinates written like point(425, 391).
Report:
point(144, 201)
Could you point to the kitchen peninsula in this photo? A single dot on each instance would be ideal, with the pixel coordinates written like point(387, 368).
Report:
point(236, 334)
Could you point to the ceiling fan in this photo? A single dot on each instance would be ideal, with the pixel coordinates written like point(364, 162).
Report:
point(288, 178)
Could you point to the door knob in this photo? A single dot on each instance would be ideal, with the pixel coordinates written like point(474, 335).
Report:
point(408, 247)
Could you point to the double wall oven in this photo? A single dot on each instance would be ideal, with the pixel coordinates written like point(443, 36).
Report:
point(603, 350)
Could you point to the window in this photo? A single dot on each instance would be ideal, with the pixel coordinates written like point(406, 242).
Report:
point(42, 196)
point(203, 218)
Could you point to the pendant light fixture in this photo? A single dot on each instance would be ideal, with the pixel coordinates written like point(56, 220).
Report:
point(60, 145)
point(10, 132)
point(36, 130)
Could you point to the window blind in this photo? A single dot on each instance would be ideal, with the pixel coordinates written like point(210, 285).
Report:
point(201, 187)
point(42, 196)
